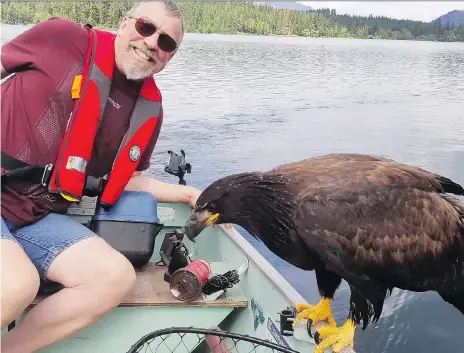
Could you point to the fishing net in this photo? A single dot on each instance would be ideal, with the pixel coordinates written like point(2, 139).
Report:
point(197, 340)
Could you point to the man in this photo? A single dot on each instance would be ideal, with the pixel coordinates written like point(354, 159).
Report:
point(38, 240)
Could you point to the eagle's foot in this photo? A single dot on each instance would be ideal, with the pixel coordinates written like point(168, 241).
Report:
point(315, 313)
point(336, 338)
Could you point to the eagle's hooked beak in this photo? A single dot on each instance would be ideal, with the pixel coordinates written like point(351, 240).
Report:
point(197, 222)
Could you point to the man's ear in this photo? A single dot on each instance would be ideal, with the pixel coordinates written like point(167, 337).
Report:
point(122, 25)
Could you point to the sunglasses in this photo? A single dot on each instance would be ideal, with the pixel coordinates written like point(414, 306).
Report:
point(146, 29)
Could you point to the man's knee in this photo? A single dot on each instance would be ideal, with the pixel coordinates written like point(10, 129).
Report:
point(19, 280)
point(24, 287)
point(93, 263)
point(117, 275)
point(110, 282)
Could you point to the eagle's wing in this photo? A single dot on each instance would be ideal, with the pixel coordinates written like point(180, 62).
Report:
point(389, 226)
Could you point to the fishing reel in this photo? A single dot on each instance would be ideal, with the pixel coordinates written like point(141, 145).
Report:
point(174, 254)
point(177, 166)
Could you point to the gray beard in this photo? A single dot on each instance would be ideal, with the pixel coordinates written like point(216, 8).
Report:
point(131, 70)
point(133, 73)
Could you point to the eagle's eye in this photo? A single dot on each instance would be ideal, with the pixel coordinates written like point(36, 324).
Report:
point(210, 207)
point(207, 207)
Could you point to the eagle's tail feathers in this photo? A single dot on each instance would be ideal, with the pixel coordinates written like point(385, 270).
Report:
point(364, 310)
point(450, 186)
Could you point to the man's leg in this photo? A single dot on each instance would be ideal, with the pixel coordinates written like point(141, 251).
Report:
point(95, 276)
point(19, 278)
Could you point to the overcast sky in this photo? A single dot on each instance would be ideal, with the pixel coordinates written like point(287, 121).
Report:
point(411, 10)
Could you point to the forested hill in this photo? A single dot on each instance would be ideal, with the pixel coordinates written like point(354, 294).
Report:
point(452, 19)
point(239, 18)
point(384, 27)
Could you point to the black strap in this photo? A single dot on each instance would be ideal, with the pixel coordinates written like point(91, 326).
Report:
point(16, 169)
point(94, 186)
point(10, 163)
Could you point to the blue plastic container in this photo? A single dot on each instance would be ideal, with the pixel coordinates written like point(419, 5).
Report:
point(130, 226)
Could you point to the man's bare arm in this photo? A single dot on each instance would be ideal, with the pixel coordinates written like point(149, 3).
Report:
point(163, 192)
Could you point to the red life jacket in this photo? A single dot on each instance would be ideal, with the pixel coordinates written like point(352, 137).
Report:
point(90, 90)
point(91, 93)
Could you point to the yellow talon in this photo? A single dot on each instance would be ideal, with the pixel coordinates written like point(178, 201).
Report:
point(301, 307)
point(316, 313)
point(335, 337)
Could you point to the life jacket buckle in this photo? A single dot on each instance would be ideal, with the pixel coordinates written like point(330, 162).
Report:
point(47, 174)
point(94, 186)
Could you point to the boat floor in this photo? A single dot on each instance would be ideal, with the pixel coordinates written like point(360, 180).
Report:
point(150, 289)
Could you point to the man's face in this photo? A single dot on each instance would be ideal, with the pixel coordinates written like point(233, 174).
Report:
point(138, 56)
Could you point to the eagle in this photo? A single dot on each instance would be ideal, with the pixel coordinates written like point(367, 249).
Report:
point(376, 223)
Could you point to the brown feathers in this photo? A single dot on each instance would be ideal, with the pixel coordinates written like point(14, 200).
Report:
point(374, 222)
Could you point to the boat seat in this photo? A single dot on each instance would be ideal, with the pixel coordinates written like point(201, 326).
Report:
point(150, 289)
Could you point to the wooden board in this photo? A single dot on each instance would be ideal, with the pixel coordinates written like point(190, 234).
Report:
point(151, 290)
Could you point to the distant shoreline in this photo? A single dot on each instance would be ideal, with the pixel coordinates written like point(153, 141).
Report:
point(242, 18)
point(271, 35)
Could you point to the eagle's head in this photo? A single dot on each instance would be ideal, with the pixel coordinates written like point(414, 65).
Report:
point(237, 199)
point(215, 204)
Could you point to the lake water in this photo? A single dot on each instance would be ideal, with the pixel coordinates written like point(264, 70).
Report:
point(243, 103)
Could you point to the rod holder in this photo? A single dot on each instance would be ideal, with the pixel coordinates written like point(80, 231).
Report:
point(287, 316)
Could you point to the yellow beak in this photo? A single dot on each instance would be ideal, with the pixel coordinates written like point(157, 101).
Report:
point(212, 218)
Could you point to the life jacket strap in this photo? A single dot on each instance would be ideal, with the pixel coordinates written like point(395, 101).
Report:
point(19, 170)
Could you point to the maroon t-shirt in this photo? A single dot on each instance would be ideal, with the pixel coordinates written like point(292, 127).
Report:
point(36, 105)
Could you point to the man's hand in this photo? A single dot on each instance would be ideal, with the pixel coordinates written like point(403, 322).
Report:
point(194, 195)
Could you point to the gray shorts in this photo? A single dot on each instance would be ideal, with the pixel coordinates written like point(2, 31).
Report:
point(45, 239)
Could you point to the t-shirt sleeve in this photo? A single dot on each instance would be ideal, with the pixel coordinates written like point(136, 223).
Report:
point(146, 157)
point(21, 53)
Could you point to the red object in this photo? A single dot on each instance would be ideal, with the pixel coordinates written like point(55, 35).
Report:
point(201, 268)
point(187, 283)
point(69, 177)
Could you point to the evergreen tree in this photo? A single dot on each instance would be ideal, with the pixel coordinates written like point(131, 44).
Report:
point(239, 18)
